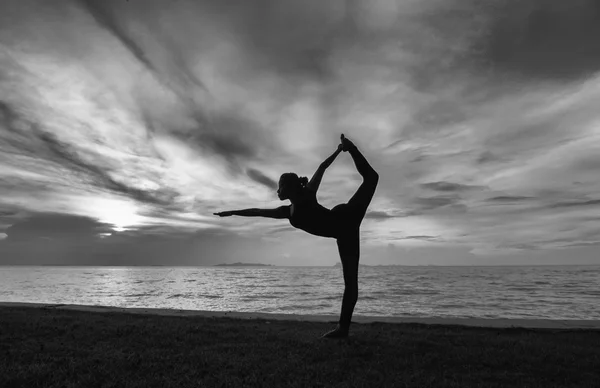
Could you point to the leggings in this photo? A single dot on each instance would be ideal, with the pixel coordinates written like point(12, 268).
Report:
point(348, 241)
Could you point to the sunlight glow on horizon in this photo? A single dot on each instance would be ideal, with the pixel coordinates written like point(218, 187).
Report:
point(152, 120)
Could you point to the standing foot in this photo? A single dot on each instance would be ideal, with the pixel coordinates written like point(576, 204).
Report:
point(338, 332)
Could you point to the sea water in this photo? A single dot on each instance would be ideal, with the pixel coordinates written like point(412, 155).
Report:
point(546, 292)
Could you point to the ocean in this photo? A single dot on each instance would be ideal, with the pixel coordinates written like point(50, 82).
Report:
point(535, 292)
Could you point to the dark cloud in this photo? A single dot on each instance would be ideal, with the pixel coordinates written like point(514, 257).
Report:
point(165, 56)
point(378, 215)
point(450, 186)
point(261, 178)
point(418, 237)
point(233, 137)
point(544, 38)
point(445, 42)
point(426, 238)
point(56, 226)
point(7, 116)
point(505, 42)
point(294, 39)
point(30, 139)
point(277, 36)
point(429, 203)
point(231, 146)
point(102, 11)
point(488, 157)
point(106, 13)
point(17, 137)
point(381, 215)
point(7, 218)
point(509, 198)
point(68, 157)
point(592, 202)
point(8, 211)
point(328, 57)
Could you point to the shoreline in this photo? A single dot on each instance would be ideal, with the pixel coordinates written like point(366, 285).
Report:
point(478, 322)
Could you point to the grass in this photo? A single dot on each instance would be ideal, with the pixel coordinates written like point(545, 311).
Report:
point(41, 347)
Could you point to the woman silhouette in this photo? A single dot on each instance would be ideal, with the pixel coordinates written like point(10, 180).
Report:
point(342, 222)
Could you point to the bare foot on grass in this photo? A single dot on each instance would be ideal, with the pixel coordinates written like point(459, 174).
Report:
point(338, 332)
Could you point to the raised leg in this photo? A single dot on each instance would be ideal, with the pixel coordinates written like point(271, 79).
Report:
point(363, 167)
point(362, 198)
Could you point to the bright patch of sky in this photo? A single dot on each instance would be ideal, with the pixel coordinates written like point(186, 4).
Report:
point(140, 119)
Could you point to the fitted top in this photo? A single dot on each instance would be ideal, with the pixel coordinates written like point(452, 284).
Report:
point(313, 218)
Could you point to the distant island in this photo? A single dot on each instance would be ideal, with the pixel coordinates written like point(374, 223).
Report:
point(360, 265)
point(377, 265)
point(244, 265)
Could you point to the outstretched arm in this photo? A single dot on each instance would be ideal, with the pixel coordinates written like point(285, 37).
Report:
point(280, 212)
point(315, 181)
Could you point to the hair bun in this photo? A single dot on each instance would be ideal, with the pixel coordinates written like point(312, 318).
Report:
point(303, 181)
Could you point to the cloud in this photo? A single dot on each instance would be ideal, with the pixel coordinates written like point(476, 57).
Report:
point(480, 117)
point(428, 203)
point(108, 15)
point(543, 39)
point(450, 186)
point(427, 238)
point(55, 226)
point(261, 178)
point(592, 202)
point(488, 157)
point(105, 14)
point(382, 215)
point(377, 215)
point(509, 198)
point(234, 138)
point(101, 174)
point(290, 39)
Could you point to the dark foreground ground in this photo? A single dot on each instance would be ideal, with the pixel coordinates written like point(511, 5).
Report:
point(53, 348)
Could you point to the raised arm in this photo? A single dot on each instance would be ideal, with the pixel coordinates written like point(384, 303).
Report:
point(280, 212)
point(315, 181)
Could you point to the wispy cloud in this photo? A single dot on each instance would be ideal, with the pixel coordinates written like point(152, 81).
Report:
point(481, 118)
point(262, 178)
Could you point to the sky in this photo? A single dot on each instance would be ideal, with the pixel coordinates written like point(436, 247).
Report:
point(125, 124)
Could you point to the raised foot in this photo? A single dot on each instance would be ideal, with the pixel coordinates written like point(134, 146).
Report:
point(346, 144)
point(338, 332)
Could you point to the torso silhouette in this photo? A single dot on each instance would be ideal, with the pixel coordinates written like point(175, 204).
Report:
point(307, 214)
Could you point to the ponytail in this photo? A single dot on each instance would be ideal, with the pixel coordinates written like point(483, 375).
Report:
point(303, 181)
point(293, 181)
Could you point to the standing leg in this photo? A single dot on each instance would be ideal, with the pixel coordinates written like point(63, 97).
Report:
point(349, 249)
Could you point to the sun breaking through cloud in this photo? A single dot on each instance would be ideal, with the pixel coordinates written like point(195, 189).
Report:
point(133, 121)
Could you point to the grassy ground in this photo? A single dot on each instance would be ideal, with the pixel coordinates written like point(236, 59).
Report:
point(58, 348)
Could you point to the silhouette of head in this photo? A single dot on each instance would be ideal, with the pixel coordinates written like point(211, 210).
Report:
point(290, 185)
